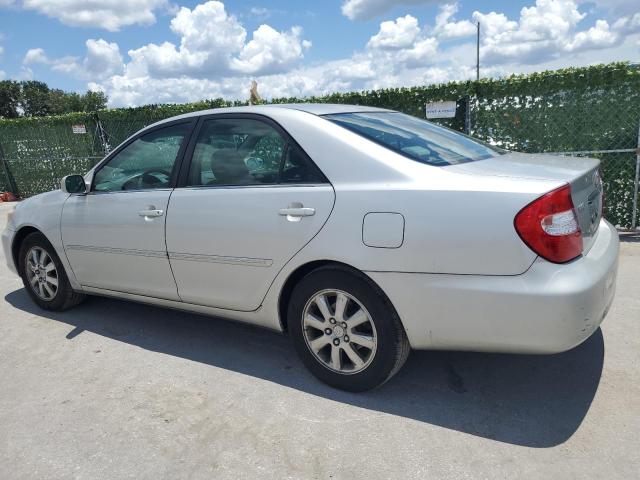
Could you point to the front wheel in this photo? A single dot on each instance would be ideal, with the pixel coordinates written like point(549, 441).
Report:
point(43, 275)
point(345, 330)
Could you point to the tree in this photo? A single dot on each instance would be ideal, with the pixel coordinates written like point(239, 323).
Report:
point(57, 101)
point(9, 98)
point(93, 101)
point(61, 102)
point(35, 99)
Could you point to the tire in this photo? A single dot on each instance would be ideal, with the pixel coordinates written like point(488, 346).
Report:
point(63, 297)
point(310, 328)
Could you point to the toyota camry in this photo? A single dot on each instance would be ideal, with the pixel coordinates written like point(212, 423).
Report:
point(361, 232)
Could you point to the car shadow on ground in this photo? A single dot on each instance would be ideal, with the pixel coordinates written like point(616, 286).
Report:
point(630, 237)
point(535, 401)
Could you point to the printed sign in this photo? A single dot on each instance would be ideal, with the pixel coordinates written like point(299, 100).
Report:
point(79, 128)
point(441, 109)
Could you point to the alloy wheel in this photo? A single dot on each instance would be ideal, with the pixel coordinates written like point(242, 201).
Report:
point(41, 273)
point(339, 331)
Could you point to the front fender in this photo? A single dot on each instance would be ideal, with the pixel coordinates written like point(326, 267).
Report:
point(43, 213)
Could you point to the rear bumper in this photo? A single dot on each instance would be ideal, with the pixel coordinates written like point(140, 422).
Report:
point(548, 309)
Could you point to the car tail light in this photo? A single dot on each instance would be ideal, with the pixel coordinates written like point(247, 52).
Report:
point(549, 226)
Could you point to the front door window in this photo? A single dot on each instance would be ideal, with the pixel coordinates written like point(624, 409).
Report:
point(146, 163)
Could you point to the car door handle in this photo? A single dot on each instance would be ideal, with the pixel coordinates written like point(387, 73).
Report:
point(151, 213)
point(297, 212)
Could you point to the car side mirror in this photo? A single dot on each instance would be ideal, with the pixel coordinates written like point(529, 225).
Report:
point(73, 184)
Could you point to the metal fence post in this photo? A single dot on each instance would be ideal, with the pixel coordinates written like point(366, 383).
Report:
point(7, 173)
point(634, 216)
point(103, 135)
point(467, 114)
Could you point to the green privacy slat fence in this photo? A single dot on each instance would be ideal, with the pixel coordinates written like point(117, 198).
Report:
point(594, 110)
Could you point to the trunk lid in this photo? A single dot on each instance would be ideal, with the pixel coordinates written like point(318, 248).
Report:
point(580, 172)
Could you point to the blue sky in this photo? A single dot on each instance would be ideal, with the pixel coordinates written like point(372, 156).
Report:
point(141, 51)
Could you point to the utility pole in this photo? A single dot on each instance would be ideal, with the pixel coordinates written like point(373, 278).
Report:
point(478, 53)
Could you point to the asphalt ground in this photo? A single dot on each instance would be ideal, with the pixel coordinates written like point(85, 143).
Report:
point(114, 390)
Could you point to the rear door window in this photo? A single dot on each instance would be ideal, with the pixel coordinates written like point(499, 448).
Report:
point(415, 138)
point(246, 151)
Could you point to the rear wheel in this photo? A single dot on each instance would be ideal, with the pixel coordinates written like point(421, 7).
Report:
point(43, 275)
point(345, 330)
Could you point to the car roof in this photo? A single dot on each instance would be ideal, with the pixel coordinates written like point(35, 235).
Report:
point(326, 108)
point(312, 108)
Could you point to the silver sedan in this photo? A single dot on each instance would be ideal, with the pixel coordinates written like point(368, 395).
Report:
point(361, 232)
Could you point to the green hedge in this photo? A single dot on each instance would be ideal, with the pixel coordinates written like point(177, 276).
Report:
point(575, 109)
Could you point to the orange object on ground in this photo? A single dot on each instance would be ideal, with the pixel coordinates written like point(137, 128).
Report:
point(7, 197)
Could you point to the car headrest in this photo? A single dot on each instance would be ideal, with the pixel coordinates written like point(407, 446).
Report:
point(228, 167)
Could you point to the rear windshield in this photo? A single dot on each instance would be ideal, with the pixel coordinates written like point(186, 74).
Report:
point(415, 138)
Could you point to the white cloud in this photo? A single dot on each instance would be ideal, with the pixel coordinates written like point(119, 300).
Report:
point(208, 37)
point(548, 18)
point(420, 55)
point(111, 15)
point(35, 55)
point(628, 24)
point(398, 45)
point(545, 31)
point(447, 28)
point(616, 7)
point(270, 51)
point(208, 24)
point(400, 33)
point(213, 42)
point(102, 60)
point(357, 68)
point(494, 24)
point(367, 9)
point(598, 36)
point(215, 56)
point(340, 75)
point(259, 13)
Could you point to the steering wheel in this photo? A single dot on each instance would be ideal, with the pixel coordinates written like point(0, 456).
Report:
point(146, 179)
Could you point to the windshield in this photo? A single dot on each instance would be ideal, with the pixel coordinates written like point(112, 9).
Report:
point(415, 138)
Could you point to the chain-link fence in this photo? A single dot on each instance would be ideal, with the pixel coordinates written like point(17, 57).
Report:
point(36, 152)
point(36, 156)
point(600, 119)
point(593, 111)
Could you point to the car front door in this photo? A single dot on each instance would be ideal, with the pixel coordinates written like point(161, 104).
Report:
point(250, 200)
point(114, 235)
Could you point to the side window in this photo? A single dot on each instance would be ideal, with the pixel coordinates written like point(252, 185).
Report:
point(244, 151)
point(146, 163)
point(236, 151)
point(298, 168)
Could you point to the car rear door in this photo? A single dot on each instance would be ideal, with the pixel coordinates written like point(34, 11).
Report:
point(250, 198)
point(114, 235)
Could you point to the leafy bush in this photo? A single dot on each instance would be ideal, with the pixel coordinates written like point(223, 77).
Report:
point(568, 110)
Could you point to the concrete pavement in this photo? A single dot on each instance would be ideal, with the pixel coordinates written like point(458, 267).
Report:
point(115, 390)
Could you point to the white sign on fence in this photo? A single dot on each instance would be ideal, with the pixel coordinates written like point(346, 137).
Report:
point(79, 128)
point(441, 109)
